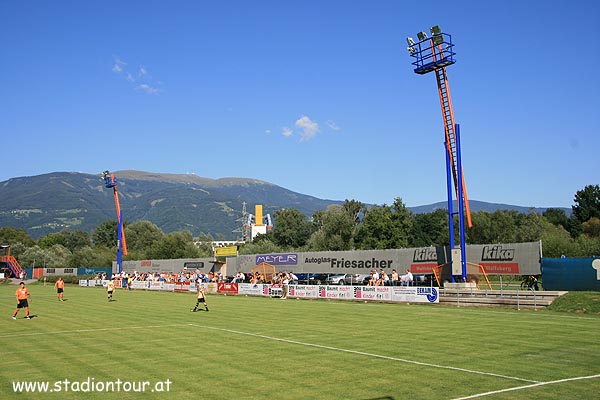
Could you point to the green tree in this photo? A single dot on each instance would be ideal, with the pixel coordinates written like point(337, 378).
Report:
point(336, 230)
point(142, 235)
point(57, 256)
point(591, 228)
point(587, 203)
point(78, 239)
point(173, 246)
point(204, 244)
point(10, 236)
point(264, 246)
point(51, 239)
point(430, 229)
point(292, 228)
point(529, 227)
point(557, 242)
point(497, 227)
point(72, 240)
point(557, 217)
point(105, 234)
point(385, 227)
point(86, 257)
point(355, 208)
point(588, 246)
point(34, 256)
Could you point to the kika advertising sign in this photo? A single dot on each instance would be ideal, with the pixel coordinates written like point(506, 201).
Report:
point(499, 259)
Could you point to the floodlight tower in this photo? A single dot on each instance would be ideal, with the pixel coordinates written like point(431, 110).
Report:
point(435, 54)
point(111, 182)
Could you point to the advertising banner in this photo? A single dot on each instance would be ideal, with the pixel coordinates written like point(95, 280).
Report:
point(273, 290)
point(377, 293)
point(229, 288)
point(304, 291)
point(410, 294)
point(336, 292)
point(496, 259)
point(250, 289)
point(407, 294)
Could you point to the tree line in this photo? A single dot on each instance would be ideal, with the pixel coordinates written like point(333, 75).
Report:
point(350, 226)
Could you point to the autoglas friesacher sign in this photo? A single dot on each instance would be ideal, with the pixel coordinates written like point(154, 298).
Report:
point(496, 259)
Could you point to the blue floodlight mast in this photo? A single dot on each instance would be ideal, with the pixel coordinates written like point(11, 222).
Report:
point(111, 182)
point(434, 55)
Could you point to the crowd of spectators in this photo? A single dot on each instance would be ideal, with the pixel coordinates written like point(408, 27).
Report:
point(381, 278)
point(184, 276)
point(378, 278)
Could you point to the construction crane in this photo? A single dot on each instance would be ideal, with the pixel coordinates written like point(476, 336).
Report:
point(434, 54)
point(111, 182)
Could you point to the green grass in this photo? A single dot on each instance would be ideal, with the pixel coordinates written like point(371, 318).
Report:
point(578, 302)
point(260, 348)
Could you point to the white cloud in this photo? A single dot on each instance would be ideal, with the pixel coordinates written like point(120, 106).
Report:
point(332, 125)
point(268, 131)
point(144, 87)
point(309, 128)
point(118, 66)
point(287, 132)
point(144, 82)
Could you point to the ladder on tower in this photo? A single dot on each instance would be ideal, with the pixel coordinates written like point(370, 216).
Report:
point(13, 266)
point(451, 143)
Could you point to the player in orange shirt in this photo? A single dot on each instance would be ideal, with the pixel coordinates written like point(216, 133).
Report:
point(60, 288)
point(22, 295)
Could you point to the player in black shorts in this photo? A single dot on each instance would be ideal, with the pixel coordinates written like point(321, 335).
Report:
point(201, 298)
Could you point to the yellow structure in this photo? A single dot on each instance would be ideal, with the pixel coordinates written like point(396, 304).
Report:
point(258, 212)
point(226, 251)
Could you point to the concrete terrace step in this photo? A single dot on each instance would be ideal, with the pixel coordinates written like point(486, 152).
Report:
point(512, 298)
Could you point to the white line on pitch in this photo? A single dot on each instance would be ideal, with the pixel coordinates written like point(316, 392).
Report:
point(123, 328)
point(578, 378)
point(320, 346)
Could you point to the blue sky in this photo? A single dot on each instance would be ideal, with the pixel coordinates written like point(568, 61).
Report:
point(318, 97)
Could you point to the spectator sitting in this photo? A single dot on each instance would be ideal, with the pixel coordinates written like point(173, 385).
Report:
point(395, 277)
point(385, 278)
point(239, 278)
point(406, 279)
point(374, 278)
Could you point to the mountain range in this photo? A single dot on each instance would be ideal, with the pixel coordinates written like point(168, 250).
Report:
point(49, 203)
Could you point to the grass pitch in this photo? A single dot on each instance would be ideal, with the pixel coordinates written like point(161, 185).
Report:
point(259, 348)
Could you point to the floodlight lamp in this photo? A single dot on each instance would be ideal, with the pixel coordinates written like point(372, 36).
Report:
point(411, 50)
point(410, 41)
point(435, 30)
point(422, 36)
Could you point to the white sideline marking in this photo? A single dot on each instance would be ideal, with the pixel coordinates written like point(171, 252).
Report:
point(123, 328)
point(578, 378)
point(320, 346)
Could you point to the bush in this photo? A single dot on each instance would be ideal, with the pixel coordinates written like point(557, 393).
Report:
point(72, 279)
